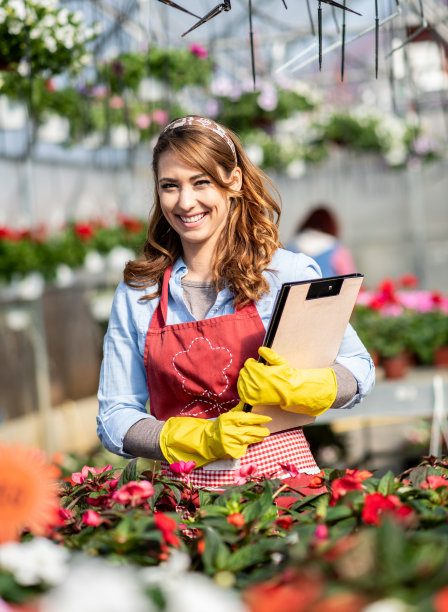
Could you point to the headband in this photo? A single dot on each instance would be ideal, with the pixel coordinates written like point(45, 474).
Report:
point(206, 123)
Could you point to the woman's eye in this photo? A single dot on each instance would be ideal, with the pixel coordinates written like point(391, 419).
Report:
point(169, 186)
point(202, 182)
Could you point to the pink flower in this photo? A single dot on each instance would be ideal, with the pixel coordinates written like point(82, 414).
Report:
point(116, 102)
point(133, 493)
point(143, 121)
point(321, 532)
point(160, 116)
point(433, 482)
point(290, 468)
point(80, 477)
point(245, 473)
point(65, 514)
point(198, 50)
point(91, 518)
point(182, 467)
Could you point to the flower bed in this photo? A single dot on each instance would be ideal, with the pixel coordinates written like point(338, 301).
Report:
point(365, 540)
point(397, 319)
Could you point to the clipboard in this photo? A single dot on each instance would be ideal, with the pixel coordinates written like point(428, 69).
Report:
point(307, 326)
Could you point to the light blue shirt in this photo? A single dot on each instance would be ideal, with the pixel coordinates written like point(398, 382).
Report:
point(123, 392)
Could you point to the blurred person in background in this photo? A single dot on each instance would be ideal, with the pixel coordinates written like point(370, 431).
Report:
point(318, 236)
point(188, 321)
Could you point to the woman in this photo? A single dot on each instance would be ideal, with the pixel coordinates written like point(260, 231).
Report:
point(318, 236)
point(187, 318)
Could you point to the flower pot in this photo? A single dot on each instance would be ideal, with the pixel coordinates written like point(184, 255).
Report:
point(441, 357)
point(376, 357)
point(396, 366)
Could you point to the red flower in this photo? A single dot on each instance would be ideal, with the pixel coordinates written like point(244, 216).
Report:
point(387, 290)
point(133, 493)
point(317, 480)
point(132, 225)
point(376, 505)
point(352, 481)
point(295, 593)
point(359, 474)
point(433, 482)
point(49, 86)
point(437, 298)
point(65, 514)
point(408, 280)
point(91, 518)
point(167, 526)
point(84, 231)
point(284, 522)
point(236, 519)
point(440, 601)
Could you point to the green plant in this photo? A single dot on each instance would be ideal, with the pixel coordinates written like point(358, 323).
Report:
point(426, 332)
point(38, 38)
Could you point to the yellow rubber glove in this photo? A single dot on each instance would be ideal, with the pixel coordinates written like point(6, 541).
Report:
point(203, 440)
point(306, 391)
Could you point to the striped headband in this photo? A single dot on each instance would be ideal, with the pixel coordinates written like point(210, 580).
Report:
point(206, 123)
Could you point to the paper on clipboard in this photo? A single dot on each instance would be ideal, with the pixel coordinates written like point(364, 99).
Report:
point(306, 328)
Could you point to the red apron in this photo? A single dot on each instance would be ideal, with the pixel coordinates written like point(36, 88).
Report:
point(192, 370)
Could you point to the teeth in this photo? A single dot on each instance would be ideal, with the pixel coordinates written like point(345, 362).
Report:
point(192, 219)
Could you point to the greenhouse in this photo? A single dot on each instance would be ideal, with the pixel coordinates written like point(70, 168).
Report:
point(224, 305)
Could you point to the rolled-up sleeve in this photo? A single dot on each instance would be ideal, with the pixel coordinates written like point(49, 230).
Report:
point(122, 393)
point(355, 358)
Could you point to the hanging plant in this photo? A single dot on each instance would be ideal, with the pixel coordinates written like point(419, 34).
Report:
point(37, 38)
point(177, 68)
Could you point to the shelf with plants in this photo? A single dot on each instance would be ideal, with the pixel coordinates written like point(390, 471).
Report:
point(399, 321)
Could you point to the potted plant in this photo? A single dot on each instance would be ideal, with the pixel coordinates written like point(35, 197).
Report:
point(427, 336)
point(392, 343)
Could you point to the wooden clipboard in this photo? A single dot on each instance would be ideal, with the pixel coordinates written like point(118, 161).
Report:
point(307, 326)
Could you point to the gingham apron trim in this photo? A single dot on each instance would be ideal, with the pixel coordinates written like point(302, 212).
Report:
point(284, 447)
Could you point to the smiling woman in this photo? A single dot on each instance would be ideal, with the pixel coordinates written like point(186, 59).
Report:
point(189, 318)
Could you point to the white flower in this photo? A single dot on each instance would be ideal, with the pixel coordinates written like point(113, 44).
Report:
point(15, 27)
point(63, 16)
point(118, 258)
point(23, 68)
point(36, 561)
point(18, 7)
point(388, 605)
point(50, 44)
point(94, 586)
point(255, 154)
point(183, 590)
point(94, 262)
point(3, 15)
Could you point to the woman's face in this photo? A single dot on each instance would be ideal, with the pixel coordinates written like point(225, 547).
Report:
point(191, 202)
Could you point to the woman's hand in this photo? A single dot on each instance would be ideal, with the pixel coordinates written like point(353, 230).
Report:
point(204, 441)
point(306, 391)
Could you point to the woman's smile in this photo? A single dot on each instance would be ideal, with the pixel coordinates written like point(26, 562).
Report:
point(193, 220)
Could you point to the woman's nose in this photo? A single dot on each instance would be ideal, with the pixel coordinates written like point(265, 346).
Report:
point(186, 198)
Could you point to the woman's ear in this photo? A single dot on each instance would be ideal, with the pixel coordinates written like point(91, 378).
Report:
point(237, 179)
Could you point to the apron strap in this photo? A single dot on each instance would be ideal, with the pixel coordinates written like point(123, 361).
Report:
point(158, 320)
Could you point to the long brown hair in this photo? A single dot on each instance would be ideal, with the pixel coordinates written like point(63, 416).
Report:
point(250, 238)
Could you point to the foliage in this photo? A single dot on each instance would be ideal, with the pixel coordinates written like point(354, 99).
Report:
point(365, 538)
point(397, 317)
point(25, 252)
point(38, 38)
point(177, 68)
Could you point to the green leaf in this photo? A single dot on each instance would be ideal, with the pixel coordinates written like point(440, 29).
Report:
point(257, 509)
point(386, 485)
point(129, 473)
point(216, 553)
point(252, 554)
point(337, 513)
